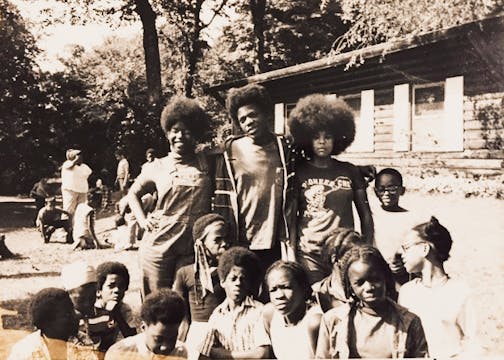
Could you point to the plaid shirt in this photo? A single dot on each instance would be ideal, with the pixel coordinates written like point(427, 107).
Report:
point(238, 329)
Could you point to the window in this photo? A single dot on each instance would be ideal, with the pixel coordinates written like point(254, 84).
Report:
point(430, 117)
point(363, 107)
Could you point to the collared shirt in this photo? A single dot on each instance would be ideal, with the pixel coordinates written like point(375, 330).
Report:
point(134, 348)
point(237, 329)
point(34, 347)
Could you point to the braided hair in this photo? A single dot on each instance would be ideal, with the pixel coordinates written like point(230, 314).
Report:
point(371, 256)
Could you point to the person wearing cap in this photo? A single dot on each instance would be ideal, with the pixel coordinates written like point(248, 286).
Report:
point(80, 280)
point(49, 219)
point(74, 180)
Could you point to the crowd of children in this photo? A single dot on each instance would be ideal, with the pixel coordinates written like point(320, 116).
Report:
point(381, 292)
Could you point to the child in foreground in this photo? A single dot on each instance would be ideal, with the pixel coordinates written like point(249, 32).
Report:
point(329, 291)
point(291, 322)
point(52, 313)
point(443, 304)
point(112, 315)
point(235, 328)
point(79, 279)
point(323, 128)
point(373, 325)
point(161, 313)
point(198, 283)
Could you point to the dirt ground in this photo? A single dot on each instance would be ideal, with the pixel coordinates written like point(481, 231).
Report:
point(476, 225)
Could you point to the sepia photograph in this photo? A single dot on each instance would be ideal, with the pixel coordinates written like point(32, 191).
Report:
point(261, 179)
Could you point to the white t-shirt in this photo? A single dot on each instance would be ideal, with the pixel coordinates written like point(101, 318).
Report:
point(75, 178)
point(447, 314)
point(81, 225)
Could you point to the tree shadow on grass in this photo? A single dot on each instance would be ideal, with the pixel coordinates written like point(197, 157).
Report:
point(17, 214)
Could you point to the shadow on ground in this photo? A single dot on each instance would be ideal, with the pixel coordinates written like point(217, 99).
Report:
point(17, 214)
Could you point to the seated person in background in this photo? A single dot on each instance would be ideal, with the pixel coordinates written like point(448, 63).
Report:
point(39, 193)
point(112, 315)
point(198, 283)
point(161, 313)
point(53, 315)
point(290, 320)
point(329, 292)
point(84, 228)
point(235, 328)
point(49, 219)
point(443, 304)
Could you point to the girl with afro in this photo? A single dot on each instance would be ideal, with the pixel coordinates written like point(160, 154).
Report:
point(183, 185)
point(323, 127)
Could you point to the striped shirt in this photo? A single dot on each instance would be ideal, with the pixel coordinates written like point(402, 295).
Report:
point(238, 329)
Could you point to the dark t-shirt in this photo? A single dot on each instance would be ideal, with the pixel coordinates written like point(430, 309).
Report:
point(185, 285)
point(325, 193)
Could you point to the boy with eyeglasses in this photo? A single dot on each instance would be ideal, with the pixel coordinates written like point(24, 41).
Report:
point(392, 221)
point(389, 188)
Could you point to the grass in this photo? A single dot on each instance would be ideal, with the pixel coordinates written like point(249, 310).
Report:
point(475, 223)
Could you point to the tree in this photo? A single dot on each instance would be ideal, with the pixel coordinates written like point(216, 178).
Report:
point(374, 21)
point(186, 16)
point(115, 12)
point(23, 115)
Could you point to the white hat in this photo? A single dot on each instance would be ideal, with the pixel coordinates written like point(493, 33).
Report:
point(77, 274)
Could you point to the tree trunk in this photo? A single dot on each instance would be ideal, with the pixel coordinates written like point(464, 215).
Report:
point(258, 11)
point(194, 49)
point(151, 50)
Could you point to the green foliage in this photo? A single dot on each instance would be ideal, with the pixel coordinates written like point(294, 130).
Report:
point(491, 117)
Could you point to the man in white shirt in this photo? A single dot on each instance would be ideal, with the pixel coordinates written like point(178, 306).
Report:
point(74, 180)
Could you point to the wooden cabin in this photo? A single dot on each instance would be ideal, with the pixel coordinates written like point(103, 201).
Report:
point(435, 100)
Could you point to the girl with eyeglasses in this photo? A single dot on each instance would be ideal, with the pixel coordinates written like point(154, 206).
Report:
point(443, 304)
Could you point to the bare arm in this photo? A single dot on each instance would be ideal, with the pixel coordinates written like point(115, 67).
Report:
point(135, 203)
point(366, 219)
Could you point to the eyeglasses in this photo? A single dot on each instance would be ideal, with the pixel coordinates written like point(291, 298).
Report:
point(406, 247)
point(391, 189)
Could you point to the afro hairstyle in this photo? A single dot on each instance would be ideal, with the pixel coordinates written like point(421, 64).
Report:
point(46, 304)
point(164, 306)
point(317, 112)
point(188, 112)
point(252, 94)
point(437, 236)
point(371, 256)
point(246, 259)
point(111, 267)
point(297, 272)
point(338, 242)
point(389, 171)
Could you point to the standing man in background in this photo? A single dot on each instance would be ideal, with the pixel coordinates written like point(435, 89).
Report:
point(123, 175)
point(74, 180)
